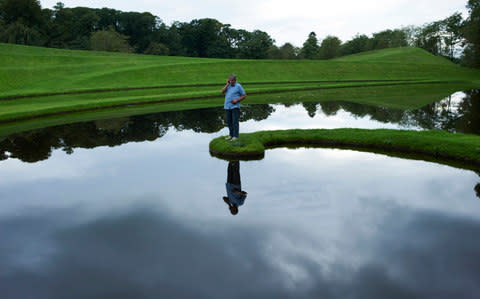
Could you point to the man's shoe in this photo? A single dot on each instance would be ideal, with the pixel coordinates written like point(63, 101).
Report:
point(228, 138)
point(234, 138)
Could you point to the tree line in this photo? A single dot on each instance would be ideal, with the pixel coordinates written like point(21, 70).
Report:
point(105, 29)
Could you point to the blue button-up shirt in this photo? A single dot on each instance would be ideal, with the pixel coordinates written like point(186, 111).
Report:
point(235, 196)
point(232, 93)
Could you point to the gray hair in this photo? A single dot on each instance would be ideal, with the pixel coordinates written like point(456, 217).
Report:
point(232, 76)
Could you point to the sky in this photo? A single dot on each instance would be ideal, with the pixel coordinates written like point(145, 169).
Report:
point(291, 21)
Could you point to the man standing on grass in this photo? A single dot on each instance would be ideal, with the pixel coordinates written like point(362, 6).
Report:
point(234, 94)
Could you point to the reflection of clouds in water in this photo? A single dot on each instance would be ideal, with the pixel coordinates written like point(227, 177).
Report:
point(336, 180)
point(64, 166)
point(144, 254)
point(318, 223)
point(452, 102)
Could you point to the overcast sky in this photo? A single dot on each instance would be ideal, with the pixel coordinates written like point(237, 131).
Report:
point(291, 20)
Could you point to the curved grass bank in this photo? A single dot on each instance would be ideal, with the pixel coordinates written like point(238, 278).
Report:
point(14, 110)
point(41, 87)
point(38, 82)
point(28, 114)
point(438, 146)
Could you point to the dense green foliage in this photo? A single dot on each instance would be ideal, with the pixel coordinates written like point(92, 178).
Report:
point(436, 144)
point(330, 48)
point(472, 34)
point(25, 22)
point(310, 47)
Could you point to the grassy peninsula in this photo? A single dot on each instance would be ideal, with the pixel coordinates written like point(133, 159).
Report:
point(438, 146)
point(38, 82)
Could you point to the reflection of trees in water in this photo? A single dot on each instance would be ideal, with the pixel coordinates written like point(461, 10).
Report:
point(380, 114)
point(38, 144)
point(446, 114)
point(469, 109)
point(310, 107)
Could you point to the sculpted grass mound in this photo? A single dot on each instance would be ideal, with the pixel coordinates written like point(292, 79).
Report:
point(45, 86)
point(27, 70)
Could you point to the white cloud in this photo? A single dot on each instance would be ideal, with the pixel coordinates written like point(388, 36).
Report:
point(292, 21)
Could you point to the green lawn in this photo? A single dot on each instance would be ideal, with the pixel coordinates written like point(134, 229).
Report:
point(32, 70)
point(38, 82)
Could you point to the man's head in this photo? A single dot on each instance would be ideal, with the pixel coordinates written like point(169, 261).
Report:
point(232, 79)
point(233, 209)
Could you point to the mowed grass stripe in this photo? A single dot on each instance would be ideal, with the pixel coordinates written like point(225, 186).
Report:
point(28, 108)
point(393, 97)
point(95, 91)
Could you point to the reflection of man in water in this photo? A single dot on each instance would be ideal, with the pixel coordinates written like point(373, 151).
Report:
point(235, 196)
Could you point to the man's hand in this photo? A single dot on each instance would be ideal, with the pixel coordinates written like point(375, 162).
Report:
point(224, 89)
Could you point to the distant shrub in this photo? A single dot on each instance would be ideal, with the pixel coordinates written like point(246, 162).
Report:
point(109, 40)
point(17, 33)
point(157, 49)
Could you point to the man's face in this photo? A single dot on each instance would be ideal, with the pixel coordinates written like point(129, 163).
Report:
point(232, 81)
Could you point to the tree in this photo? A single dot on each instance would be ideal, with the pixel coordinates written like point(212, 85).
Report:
point(389, 39)
point(206, 38)
point(410, 33)
point(471, 56)
point(61, 27)
point(174, 40)
point(358, 44)
point(288, 51)
point(429, 38)
point(18, 33)
point(310, 47)
point(254, 45)
point(21, 22)
point(274, 52)
point(453, 33)
point(157, 49)
point(84, 22)
point(108, 18)
point(26, 12)
point(330, 47)
point(139, 27)
point(110, 40)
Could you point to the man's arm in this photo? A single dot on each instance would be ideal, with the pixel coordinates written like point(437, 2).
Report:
point(224, 89)
point(239, 99)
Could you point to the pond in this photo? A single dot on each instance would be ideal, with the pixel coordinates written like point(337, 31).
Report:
point(133, 208)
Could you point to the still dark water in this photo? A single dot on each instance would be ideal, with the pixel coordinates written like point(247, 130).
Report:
point(133, 208)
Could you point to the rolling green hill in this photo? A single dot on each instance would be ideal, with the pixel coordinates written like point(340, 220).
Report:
point(37, 81)
point(34, 70)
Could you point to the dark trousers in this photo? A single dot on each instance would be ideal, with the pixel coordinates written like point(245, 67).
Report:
point(233, 118)
point(233, 173)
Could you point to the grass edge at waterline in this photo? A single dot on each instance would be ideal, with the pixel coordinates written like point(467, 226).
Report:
point(433, 145)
